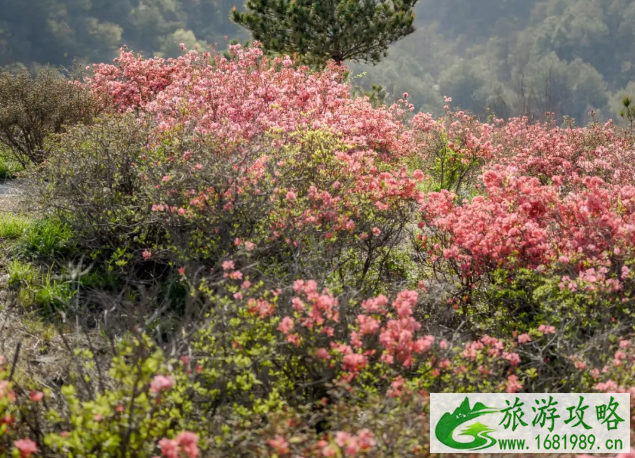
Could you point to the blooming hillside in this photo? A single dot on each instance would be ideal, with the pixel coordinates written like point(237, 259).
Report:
point(292, 270)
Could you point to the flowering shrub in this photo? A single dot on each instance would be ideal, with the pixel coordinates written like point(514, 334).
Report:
point(243, 97)
point(317, 201)
point(518, 223)
point(286, 371)
point(545, 151)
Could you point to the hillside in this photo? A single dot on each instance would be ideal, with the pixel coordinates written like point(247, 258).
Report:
point(511, 57)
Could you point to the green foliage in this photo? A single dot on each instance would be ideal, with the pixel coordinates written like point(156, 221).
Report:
point(93, 167)
point(524, 299)
point(126, 418)
point(9, 167)
point(342, 30)
point(376, 94)
point(452, 170)
point(13, 227)
point(47, 238)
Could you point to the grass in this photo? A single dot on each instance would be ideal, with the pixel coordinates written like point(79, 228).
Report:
point(9, 167)
point(36, 288)
point(21, 274)
point(13, 227)
point(39, 240)
point(46, 238)
point(53, 293)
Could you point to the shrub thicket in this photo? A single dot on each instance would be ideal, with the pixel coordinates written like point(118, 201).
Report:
point(32, 108)
point(292, 270)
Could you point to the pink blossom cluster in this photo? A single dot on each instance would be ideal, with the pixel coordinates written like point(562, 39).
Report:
point(26, 447)
point(350, 444)
point(397, 337)
point(244, 96)
point(520, 223)
point(186, 443)
point(162, 383)
point(544, 151)
point(390, 334)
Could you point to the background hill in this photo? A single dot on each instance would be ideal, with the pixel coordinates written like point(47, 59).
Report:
point(508, 56)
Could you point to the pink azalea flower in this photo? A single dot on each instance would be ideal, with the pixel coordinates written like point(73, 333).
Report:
point(26, 447)
point(524, 338)
point(279, 445)
point(169, 448)
point(322, 353)
point(513, 385)
point(286, 325)
point(188, 442)
point(162, 383)
point(545, 329)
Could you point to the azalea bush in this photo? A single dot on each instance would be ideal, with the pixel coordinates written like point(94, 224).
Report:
point(312, 207)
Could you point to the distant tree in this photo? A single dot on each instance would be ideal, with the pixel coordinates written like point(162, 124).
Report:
point(355, 30)
point(628, 111)
point(376, 94)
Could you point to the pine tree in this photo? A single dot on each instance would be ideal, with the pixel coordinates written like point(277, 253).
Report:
point(353, 30)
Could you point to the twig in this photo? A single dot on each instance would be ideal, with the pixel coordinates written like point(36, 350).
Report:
point(15, 360)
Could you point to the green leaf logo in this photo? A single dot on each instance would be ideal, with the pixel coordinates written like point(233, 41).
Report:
point(478, 431)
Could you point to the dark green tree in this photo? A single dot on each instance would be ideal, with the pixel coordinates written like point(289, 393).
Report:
point(628, 111)
point(352, 30)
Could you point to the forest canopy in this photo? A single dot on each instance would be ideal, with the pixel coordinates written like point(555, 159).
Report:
point(509, 57)
point(516, 57)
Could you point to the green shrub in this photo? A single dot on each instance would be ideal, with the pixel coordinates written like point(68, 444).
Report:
point(34, 108)
point(520, 300)
point(92, 184)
